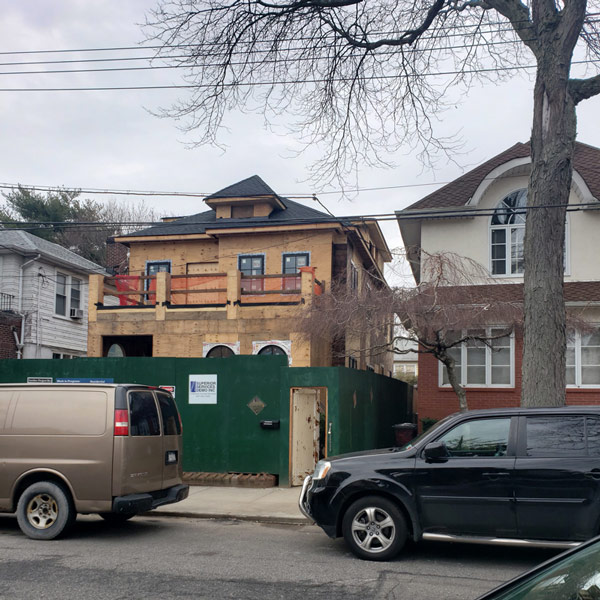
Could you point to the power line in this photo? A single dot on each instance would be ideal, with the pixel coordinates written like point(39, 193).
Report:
point(281, 82)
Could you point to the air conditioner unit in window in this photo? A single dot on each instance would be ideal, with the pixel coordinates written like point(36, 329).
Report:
point(76, 313)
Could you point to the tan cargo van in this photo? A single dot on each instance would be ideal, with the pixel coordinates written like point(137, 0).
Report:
point(65, 449)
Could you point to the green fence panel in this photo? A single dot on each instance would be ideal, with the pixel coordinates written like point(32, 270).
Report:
point(227, 436)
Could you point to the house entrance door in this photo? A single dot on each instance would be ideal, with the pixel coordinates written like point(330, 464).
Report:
point(307, 409)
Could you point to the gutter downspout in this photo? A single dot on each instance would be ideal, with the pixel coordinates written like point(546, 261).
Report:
point(20, 312)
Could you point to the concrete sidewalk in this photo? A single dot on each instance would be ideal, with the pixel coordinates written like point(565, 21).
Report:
point(271, 505)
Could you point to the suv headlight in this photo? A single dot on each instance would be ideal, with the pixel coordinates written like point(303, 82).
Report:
point(321, 469)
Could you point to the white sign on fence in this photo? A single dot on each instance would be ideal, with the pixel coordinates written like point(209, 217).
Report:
point(203, 389)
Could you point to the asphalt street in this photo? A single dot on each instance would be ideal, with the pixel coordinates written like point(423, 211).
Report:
point(154, 557)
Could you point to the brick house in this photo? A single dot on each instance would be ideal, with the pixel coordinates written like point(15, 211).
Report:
point(477, 216)
point(231, 280)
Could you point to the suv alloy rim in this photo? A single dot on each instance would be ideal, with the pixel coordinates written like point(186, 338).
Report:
point(373, 529)
point(42, 511)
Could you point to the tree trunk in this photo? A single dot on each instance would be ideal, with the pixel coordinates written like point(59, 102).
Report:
point(449, 363)
point(552, 150)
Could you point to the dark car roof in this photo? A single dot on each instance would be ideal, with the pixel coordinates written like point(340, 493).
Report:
point(578, 409)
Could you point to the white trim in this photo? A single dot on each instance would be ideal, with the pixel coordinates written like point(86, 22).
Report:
point(285, 345)
point(493, 176)
point(578, 367)
point(208, 346)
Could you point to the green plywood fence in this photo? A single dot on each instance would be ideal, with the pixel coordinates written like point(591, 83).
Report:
point(226, 436)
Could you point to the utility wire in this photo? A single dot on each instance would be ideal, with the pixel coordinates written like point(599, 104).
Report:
point(280, 82)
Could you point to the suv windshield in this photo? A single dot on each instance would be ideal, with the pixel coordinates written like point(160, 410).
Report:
point(416, 440)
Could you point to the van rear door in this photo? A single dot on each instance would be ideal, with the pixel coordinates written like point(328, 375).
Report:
point(172, 440)
point(141, 450)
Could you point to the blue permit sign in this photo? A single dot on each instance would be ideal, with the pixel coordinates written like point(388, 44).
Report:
point(85, 380)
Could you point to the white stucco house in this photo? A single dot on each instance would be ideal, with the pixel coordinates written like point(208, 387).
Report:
point(43, 297)
point(481, 216)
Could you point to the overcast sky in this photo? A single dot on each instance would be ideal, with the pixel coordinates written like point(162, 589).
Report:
point(109, 139)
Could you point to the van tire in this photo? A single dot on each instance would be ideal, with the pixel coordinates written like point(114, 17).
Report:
point(116, 518)
point(45, 511)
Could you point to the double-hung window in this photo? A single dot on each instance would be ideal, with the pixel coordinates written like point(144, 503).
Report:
point(483, 364)
point(583, 359)
point(67, 297)
point(60, 305)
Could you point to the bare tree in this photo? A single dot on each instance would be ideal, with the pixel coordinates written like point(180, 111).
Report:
point(458, 304)
point(363, 76)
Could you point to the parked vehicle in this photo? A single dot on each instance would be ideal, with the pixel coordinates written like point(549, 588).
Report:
point(511, 476)
point(574, 574)
point(86, 448)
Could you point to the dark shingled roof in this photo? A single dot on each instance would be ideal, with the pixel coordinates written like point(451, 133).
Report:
point(294, 213)
point(247, 188)
point(459, 191)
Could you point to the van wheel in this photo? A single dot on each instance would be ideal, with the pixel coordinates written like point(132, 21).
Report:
point(45, 511)
point(116, 518)
point(374, 528)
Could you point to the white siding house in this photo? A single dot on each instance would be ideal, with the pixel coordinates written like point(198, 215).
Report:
point(47, 286)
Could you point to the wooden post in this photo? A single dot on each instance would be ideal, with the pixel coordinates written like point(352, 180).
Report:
point(163, 294)
point(95, 295)
point(307, 276)
point(234, 293)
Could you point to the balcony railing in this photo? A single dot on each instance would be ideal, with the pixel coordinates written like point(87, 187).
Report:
point(211, 290)
point(184, 290)
point(6, 301)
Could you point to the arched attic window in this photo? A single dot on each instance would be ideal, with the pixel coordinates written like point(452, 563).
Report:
point(507, 234)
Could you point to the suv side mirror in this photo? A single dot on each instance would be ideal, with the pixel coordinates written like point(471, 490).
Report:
point(436, 452)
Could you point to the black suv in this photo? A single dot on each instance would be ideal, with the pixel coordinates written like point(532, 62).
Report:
point(509, 476)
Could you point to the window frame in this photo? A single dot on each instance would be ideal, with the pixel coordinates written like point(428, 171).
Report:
point(488, 366)
point(251, 256)
point(285, 255)
point(70, 299)
point(508, 242)
point(578, 364)
point(64, 295)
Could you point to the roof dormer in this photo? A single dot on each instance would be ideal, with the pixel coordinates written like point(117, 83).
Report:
point(251, 197)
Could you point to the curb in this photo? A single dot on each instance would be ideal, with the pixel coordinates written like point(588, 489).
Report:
point(230, 517)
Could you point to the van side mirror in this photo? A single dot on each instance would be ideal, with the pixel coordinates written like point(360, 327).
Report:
point(436, 452)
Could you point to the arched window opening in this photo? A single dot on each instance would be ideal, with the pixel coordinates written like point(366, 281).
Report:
point(220, 352)
point(508, 232)
point(272, 350)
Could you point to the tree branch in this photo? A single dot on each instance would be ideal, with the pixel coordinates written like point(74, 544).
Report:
point(582, 89)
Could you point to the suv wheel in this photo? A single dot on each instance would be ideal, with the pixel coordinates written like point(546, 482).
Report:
point(374, 528)
point(45, 511)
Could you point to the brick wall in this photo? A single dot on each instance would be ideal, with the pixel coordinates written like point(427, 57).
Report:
point(436, 402)
point(8, 345)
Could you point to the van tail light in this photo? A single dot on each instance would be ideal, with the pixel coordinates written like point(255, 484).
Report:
point(180, 423)
point(121, 422)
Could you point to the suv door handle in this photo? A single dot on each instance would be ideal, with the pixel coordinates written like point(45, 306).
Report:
point(497, 475)
point(595, 474)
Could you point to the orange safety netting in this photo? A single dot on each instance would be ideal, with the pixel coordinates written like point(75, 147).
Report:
point(199, 289)
point(254, 289)
point(130, 283)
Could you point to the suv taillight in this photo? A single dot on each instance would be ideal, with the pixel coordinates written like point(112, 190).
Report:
point(121, 422)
